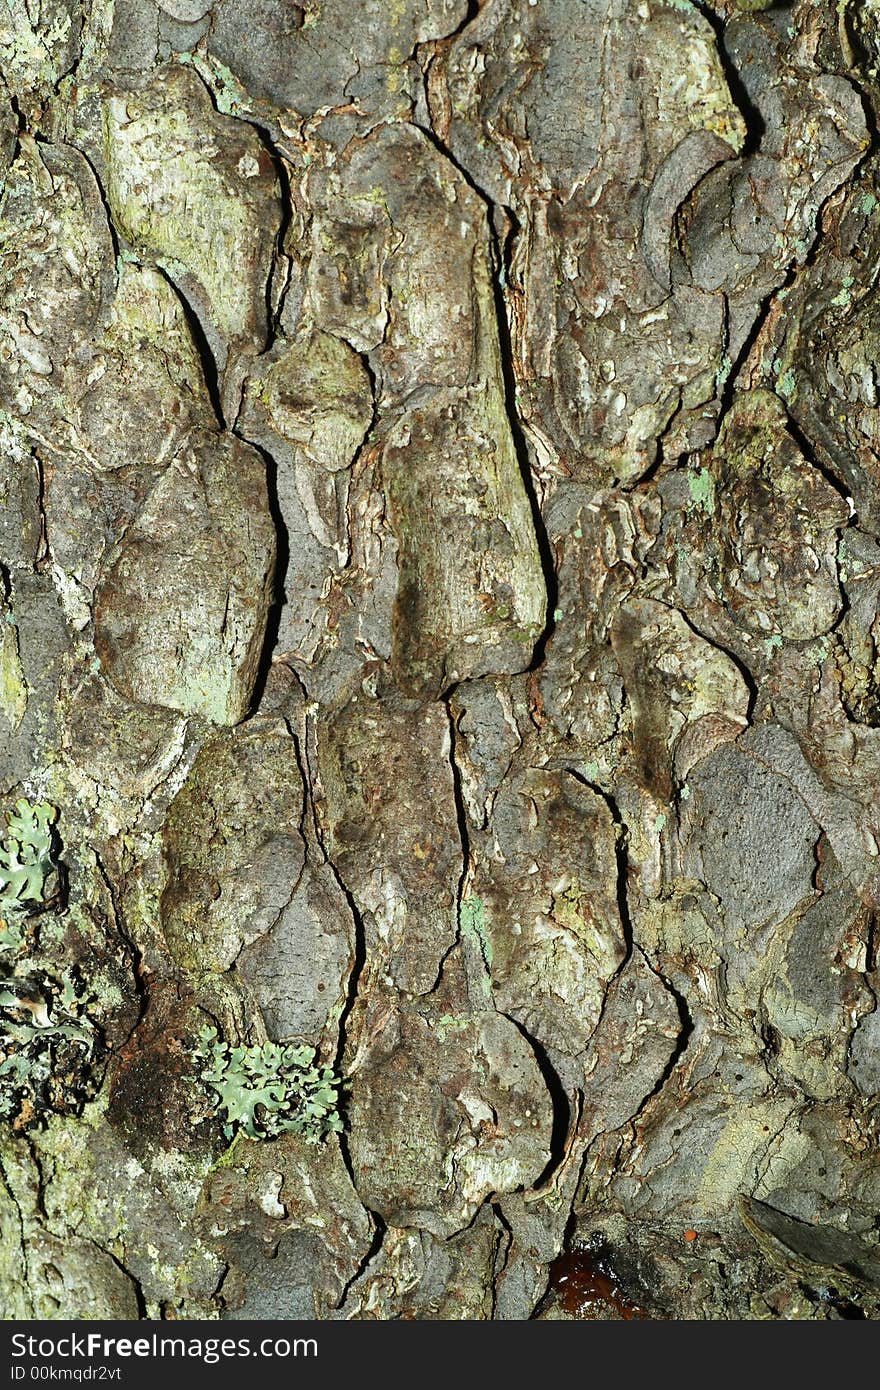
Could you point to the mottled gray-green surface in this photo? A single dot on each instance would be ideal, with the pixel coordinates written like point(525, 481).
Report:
point(440, 545)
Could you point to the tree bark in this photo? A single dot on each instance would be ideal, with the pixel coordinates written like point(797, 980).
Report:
point(439, 534)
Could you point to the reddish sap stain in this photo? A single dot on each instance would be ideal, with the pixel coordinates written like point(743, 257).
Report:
point(586, 1286)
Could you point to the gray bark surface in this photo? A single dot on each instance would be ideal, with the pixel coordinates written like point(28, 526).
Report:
point(440, 544)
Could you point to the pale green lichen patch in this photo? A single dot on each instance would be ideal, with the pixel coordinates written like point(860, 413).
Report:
point(472, 917)
point(472, 922)
point(229, 95)
point(195, 188)
point(47, 1042)
point(13, 687)
point(702, 490)
point(787, 384)
point(570, 908)
point(36, 45)
point(692, 90)
point(448, 1023)
point(268, 1089)
point(26, 856)
point(725, 367)
point(844, 298)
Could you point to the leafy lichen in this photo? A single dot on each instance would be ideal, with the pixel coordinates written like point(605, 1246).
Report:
point(47, 1043)
point(268, 1089)
point(26, 859)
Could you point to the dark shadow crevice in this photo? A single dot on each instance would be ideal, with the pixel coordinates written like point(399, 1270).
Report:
point(562, 1116)
point(379, 1229)
point(621, 855)
point(686, 1029)
point(358, 964)
point(282, 561)
point(210, 370)
point(748, 109)
point(500, 263)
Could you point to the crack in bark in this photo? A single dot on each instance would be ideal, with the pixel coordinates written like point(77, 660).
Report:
point(685, 1018)
point(560, 1108)
point(357, 967)
point(622, 861)
point(560, 1126)
point(751, 114)
point(282, 559)
point(461, 818)
point(136, 1285)
point(500, 260)
point(359, 943)
point(831, 478)
point(204, 352)
point(504, 1247)
point(686, 1023)
point(762, 1162)
point(135, 953)
point(380, 1228)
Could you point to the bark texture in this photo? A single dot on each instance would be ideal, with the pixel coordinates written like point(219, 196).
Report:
point(440, 539)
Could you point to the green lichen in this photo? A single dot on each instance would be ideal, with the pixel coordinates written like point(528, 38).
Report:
point(26, 859)
point(47, 1043)
point(268, 1089)
point(32, 51)
point(844, 298)
point(184, 186)
point(13, 687)
point(448, 1023)
point(472, 921)
point(472, 917)
point(725, 367)
point(230, 96)
point(787, 384)
point(702, 490)
point(571, 909)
